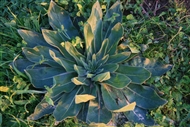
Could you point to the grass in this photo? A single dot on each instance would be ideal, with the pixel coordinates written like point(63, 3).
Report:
point(165, 37)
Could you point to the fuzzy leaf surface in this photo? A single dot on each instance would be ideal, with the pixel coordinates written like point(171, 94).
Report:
point(98, 113)
point(114, 37)
point(113, 98)
point(109, 67)
point(83, 98)
point(20, 69)
point(80, 70)
point(95, 16)
point(82, 115)
point(73, 52)
point(43, 108)
point(138, 75)
point(67, 64)
point(32, 38)
point(80, 81)
point(39, 55)
point(126, 108)
point(118, 80)
point(63, 83)
point(95, 21)
point(101, 77)
point(103, 50)
point(66, 106)
point(59, 18)
point(89, 38)
point(43, 76)
point(155, 67)
point(54, 39)
point(118, 58)
point(110, 20)
point(139, 115)
point(144, 96)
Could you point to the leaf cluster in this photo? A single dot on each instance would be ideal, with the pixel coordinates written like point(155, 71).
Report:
point(148, 35)
point(91, 81)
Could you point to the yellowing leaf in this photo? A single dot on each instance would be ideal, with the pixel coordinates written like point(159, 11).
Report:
point(76, 82)
point(83, 98)
point(129, 107)
point(102, 77)
point(99, 125)
point(4, 89)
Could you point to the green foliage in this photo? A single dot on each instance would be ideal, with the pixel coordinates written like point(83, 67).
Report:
point(166, 37)
point(93, 79)
point(17, 103)
point(153, 43)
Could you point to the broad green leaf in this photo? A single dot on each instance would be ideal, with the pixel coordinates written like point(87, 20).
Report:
point(103, 60)
point(84, 110)
point(82, 115)
point(101, 77)
point(118, 58)
point(32, 38)
point(66, 106)
point(144, 96)
point(89, 38)
point(84, 63)
point(109, 67)
point(113, 98)
point(110, 19)
point(59, 18)
point(95, 16)
point(138, 75)
point(114, 38)
point(54, 39)
point(118, 80)
point(126, 108)
point(20, 69)
point(67, 64)
point(87, 81)
point(155, 67)
point(63, 83)
point(97, 113)
point(80, 70)
point(43, 76)
point(103, 50)
point(95, 21)
point(97, 37)
point(139, 115)
point(40, 55)
point(73, 52)
point(94, 60)
point(83, 98)
point(43, 108)
point(92, 90)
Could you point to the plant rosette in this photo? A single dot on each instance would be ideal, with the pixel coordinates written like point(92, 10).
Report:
point(93, 78)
